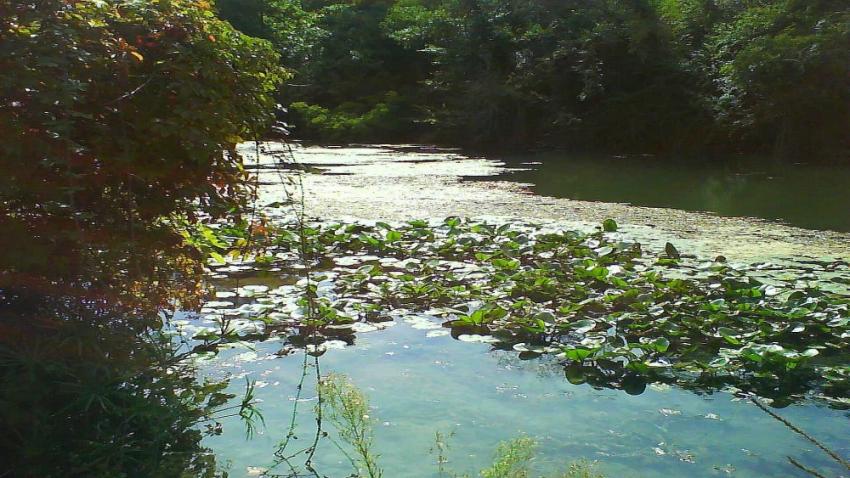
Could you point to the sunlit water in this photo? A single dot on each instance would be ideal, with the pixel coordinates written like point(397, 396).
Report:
point(423, 381)
point(708, 209)
point(419, 385)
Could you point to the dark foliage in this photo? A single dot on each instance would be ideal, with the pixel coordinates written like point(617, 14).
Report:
point(636, 76)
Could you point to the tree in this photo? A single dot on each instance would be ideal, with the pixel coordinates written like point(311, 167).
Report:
point(118, 118)
point(118, 127)
point(783, 76)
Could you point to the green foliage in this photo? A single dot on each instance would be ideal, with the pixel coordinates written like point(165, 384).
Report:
point(283, 22)
point(119, 124)
point(782, 72)
point(346, 123)
point(512, 459)
point(581, 469)
point(140, 416)
point(617, 315)
point(348, 409)
point(646, 75)
point(117, 118)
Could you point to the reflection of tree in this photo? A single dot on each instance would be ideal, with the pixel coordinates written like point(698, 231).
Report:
point(616, 375)
point(82, 402)
point(613, 375)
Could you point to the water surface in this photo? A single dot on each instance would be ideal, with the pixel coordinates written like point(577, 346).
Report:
point(421, 381)
point(652, 204)
point(810, 196)
point(419, 385)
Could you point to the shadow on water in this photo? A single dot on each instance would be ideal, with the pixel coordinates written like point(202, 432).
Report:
point(91, 382)
point(67, 415)
point(805, 195)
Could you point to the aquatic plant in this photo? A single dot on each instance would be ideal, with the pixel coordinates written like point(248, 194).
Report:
point(347, 407)
point(513, 459)
point(616, 314)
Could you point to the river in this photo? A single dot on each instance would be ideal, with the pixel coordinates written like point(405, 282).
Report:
point(421, 381)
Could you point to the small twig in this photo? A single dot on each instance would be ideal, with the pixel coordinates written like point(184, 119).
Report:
point(132, 92)
point(282, 458)
point(805, 468)
point(308, 462)
point(291, 433)
point(800, 432)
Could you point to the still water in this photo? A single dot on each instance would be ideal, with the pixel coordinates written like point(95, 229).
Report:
point(804, 195)
point(423, 381)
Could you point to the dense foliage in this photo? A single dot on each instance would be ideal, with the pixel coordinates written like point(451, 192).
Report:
point(118, 127)
point(642, 75)
point(115, 117)
point(616, 315)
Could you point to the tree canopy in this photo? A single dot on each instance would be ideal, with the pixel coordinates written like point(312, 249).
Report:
point(120, 118)
point(635, 76)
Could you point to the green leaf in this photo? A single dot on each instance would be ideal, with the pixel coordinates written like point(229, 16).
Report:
point(729, 335)
point(578, 354)
point(609, 225)
point(660, 345)
point(583, 326)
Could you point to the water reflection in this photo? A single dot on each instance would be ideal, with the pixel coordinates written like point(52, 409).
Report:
point(91, 385)
point(84, 400)
point(804, 195)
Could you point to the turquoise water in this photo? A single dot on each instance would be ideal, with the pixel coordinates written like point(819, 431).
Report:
point(419, 384)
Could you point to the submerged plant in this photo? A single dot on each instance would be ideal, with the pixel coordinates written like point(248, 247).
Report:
point(347, 407)
point(513, 459)
point(581, 469)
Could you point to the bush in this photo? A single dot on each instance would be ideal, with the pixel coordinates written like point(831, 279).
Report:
point(118, 123)
point(350, 121)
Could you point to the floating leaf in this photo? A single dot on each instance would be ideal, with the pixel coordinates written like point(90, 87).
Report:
point(583, 326)
point(578, 354)
point(730, 335)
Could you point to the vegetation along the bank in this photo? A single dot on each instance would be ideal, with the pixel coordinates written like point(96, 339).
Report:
point(623, 76)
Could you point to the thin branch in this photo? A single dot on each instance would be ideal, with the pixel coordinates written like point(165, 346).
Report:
point(132, 92)
point(806, 469)
point(800, 432)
